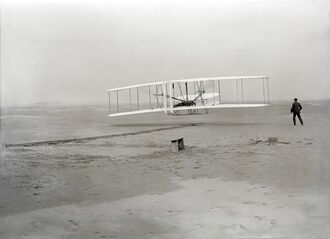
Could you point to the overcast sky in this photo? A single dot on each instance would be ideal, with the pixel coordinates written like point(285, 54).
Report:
point(73, 51)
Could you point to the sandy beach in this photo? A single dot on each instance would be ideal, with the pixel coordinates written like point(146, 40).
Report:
point(223, 185)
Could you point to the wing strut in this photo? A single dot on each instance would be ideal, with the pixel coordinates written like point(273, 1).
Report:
point(149, 96)
point(157, 96)
point(117, 101)
point(219, 91)
point(130, 98)
point(138, 98)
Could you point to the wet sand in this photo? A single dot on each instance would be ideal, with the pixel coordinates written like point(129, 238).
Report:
point(223, 185)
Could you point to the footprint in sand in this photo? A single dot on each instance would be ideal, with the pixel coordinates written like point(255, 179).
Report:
point(174, 211)
point(34, 224)
point(273, 222)
point(236, 228)
point(129, 212)
point(259, 218)
point(76, 223)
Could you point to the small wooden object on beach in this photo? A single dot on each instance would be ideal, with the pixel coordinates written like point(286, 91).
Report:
point(177, 145)
point(272, 140)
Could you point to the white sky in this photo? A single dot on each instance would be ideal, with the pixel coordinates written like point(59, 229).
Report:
point(72, 51)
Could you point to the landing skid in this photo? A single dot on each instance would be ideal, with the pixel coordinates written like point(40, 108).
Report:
point(189, 112)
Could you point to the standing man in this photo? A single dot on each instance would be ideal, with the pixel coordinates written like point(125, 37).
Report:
point(295, 109)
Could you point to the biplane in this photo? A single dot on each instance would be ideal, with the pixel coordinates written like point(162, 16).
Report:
point(189, 96)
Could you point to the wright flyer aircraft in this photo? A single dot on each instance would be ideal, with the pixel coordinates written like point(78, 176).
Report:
point(189, 96)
